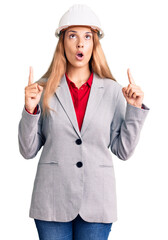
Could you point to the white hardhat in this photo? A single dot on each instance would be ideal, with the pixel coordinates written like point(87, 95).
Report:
point(79, 14)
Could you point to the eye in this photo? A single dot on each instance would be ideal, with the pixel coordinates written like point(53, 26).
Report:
point(71, 35)
point(88, 36)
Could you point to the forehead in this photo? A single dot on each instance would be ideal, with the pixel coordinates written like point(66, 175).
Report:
point(79, 29)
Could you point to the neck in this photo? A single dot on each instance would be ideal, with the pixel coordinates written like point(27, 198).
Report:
point(78, 75)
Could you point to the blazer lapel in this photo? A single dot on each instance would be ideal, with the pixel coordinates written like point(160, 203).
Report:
point(64, 96)
point(95, 96)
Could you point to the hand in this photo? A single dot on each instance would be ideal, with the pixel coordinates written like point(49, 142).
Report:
point(132, 93)
point(32, 93)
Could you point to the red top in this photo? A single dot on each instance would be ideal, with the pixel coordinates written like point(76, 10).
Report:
point(79, 97)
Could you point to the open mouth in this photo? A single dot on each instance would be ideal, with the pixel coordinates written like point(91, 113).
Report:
point(79, 56)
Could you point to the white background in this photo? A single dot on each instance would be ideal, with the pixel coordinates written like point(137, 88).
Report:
point(135, 37)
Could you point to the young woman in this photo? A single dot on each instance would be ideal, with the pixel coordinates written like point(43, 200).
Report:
point(78, 113)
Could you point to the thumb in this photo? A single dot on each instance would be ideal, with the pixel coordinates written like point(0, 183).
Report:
point(40, 88)
point(123, 90)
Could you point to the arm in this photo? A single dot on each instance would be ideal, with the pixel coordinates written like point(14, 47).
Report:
point(30, 135)
point(126, 127)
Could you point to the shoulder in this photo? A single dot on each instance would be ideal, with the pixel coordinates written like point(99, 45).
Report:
point(109, 83)
point(113, 93)
point(111, 87)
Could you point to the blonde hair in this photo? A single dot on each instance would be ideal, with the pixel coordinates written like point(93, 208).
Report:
point(58, 66)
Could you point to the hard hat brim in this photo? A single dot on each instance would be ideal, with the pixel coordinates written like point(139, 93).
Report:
point(65, 27)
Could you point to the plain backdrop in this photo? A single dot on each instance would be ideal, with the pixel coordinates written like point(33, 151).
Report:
point(136, 38)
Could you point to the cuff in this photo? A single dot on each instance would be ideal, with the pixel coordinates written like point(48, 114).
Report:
point(136, 113)
point(35, 110)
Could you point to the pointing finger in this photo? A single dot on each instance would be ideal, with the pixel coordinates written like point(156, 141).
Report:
point(30, 76)
point(130, 78)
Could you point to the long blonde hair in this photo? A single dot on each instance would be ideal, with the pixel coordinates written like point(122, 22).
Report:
point(58, 66)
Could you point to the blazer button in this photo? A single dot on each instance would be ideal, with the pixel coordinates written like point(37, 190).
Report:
point(79, 164)
point(78, 141)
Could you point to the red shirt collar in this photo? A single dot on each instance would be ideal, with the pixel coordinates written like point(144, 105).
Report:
point(89, 81)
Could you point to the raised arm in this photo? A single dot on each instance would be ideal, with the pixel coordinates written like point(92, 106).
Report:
point(127, 122)
point(30, 135)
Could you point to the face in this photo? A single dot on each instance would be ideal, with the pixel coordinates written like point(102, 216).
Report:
point(78, 45)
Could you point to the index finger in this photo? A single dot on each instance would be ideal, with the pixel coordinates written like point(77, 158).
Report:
point(30, 76)
point(130, 78)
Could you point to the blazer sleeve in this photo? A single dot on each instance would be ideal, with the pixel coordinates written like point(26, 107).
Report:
point(30, 136)
point(126, 127)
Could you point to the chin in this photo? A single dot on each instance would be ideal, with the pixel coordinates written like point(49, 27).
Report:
point(79, 65)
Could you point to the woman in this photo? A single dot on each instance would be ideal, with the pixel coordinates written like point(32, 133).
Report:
point(77, 112)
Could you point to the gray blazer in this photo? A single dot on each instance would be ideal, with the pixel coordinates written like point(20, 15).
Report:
point(75, 172)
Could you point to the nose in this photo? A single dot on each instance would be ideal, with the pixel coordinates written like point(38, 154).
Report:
point(80, 43)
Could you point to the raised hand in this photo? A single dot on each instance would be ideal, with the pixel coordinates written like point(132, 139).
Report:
point(133, 93)
point(32, 93)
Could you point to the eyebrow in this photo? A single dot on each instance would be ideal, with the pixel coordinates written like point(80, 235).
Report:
point(76, 31)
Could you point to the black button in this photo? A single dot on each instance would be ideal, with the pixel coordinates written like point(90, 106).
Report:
point(78, 141)
point(79, 164)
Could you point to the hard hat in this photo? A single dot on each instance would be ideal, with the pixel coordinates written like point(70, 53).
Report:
point(79, 14)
